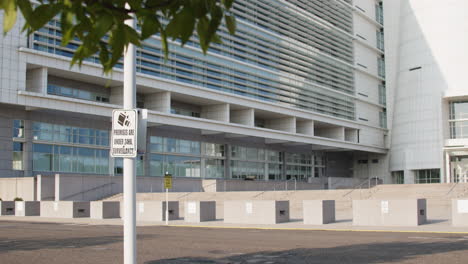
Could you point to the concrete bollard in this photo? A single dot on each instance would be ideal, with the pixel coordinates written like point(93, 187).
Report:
point(27, 208)
point(256, 212)
point(318, 212)
point(156, 210)
point(104, 209)
point(199, 211)
point(64, 209)
point(460, 212)
point(411, 212)
point(7, 208)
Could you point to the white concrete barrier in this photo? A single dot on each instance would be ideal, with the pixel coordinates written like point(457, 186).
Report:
point(104, 209)
point(411, 212)
point(7, 208)
point(156, 210)
point(318, 212)
point(256, 212)
point(64, 209)
point(460, 212)
point(27, 208)
point(199, 211)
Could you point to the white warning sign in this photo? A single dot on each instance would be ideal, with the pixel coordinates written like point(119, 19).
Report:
point(124, 133)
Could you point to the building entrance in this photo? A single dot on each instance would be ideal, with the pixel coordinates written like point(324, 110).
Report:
point(459, 168)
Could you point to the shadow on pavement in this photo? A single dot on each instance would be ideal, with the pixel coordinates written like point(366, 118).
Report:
point(75, 242)
point(362, 253)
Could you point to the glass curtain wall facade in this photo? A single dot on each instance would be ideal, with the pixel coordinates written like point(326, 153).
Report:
point(304, 64)
point(60, 148)
point(69, 149)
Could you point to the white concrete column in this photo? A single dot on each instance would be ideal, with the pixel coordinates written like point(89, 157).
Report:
point(38, 187)
point(409, 177)
point(448, 178)
point(219, 112)
point(305, 127)
point(243, 117)
point(287, 124)
point(159, 102)
point(36, 80)
point(57, 187)
point(28, 148)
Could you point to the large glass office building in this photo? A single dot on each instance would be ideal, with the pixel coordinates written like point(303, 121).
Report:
point(299, 92)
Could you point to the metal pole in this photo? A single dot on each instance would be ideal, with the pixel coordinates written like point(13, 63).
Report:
point(129, 169)
point(167, 206)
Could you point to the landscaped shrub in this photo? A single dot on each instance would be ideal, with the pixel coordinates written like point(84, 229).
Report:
point(18, 199)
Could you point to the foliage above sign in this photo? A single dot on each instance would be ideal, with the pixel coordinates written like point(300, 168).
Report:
point(91, 21)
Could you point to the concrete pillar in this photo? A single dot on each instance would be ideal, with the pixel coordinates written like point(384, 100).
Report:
point(305, 127)
point(28, 149)
point(159, 102)
point(448, 177)
point(116, 95)
point(409, 177)
point(351, 135)
point(287, 124)
point(243, 117)
point(38, 187)
point(57, 187)
point(219, 112)
point(36, 80)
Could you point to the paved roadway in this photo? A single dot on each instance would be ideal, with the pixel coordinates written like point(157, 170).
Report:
point(33, 242)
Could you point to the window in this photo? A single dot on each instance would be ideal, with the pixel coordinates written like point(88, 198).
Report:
point(17, 156)
point(382, 95)
point(18, 128)
point(58, 158)
point(214, 150)
point(381, 67)
point(76, 93)
point(427, 176)
point(379, 13)
point(398, 177)
point(383, 118)
point(68, 134)
point(458, 123)
point(380, 40)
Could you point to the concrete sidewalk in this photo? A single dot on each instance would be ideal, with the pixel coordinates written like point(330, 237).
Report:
point(433, 226)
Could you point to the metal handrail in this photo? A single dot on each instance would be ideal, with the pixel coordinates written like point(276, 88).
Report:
point(368, 181)
point(280, 183)
point(453, 188)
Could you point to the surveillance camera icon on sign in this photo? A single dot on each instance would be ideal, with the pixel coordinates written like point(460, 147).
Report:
point(123, 120)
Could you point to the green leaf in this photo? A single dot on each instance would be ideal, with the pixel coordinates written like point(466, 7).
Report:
point(9, 17)
point(25, 8)
point(230, 24)
point(202, 31)
point(150, 26)
point(103, 24)
point(182, 25)
point(43, 14)
point(227, 3)
point(164, 44)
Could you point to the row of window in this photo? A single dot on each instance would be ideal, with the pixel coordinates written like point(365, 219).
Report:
point(70, 134)
point(77, 93)
point(421, 176)
point(290, 82)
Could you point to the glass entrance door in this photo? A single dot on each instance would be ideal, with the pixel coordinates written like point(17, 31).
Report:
point(459, 167)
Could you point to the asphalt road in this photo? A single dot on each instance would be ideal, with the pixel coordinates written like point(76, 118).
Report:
point(22, 242)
